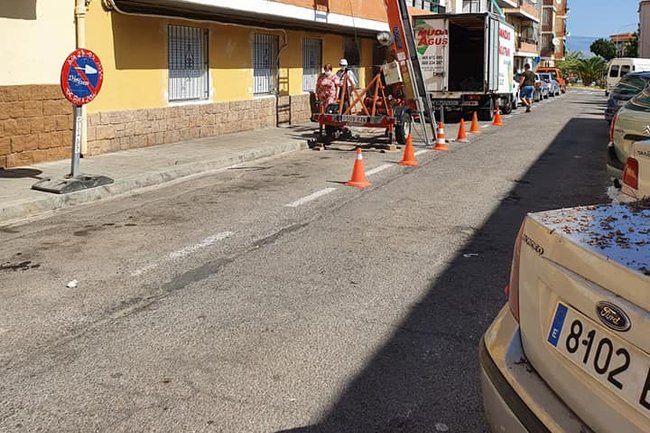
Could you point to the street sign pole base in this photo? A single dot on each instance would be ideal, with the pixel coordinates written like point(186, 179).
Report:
point(72, 184)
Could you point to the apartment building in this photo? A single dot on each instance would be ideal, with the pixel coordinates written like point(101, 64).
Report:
point(174, 69)
point(644, 28)
point(621, 41)
point(553, 34)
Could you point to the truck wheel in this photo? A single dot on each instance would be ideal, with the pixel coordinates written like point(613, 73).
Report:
point(507, 107)
point(403, 124)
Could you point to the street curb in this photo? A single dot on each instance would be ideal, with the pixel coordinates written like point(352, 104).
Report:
point(13, 212)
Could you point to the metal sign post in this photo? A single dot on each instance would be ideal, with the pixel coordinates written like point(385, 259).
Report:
point(82, 76)
point(76, 147)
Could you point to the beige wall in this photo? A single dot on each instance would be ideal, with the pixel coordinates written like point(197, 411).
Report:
point(35, 38)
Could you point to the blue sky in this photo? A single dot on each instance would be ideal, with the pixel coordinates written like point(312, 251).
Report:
point(602, 18)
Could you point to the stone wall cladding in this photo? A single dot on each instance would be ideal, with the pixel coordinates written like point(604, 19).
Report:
point(35, 125)
point(121, 130)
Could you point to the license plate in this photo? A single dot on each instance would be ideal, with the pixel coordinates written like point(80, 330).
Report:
point(616, 364)
point(358, 120)
point(451, 102)
point(470, 103)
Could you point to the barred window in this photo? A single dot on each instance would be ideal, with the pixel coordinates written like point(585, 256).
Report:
point(311, 63)
point(265, 68)
point(188, 64)
point(471, 6)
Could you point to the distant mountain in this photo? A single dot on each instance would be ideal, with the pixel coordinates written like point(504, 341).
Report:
point(580, 43)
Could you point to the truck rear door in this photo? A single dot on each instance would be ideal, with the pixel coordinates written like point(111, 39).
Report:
point(492, 54)
point(431, 44)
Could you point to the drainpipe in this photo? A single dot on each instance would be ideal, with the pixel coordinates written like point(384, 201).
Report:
point(80, 32)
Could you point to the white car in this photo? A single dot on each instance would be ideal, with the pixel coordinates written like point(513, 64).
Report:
point(636, 172)
point(570, 352)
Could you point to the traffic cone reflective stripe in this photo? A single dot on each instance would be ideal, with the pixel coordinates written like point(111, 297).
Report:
point(358, 179)
point(441, 143)
point(409, 153)
point(497, 118)
point(462, 136)
point(474, 128)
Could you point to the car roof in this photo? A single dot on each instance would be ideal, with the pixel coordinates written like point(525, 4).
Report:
point(643, 74)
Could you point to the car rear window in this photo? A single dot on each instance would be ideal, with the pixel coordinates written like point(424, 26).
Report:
point(629, 86)
point(640, 102)
point(613, 71)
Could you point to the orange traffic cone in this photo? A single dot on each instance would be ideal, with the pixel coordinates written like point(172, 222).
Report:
point(474, 128)
point(462, 136)
point(358, 179)
point(409, 153)
point(497, 118)
point(441, 143)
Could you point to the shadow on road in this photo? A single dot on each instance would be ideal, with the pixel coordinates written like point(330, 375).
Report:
point(431, 359)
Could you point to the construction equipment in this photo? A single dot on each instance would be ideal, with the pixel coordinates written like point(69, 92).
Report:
point(394, 103)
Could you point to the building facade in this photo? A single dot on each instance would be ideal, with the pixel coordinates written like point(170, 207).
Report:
point(644, 28)
point(524, 15)
point(174, 70)
point(621, 42)
point(553, 31)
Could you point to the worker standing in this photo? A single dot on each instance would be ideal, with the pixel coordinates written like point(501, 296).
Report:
point(352, 79)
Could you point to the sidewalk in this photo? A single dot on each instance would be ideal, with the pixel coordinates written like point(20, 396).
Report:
point(140, 168)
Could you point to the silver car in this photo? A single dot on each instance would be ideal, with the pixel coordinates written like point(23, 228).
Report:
point(570, 352)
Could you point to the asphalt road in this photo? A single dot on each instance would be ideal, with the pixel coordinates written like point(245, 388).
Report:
point(271, 298)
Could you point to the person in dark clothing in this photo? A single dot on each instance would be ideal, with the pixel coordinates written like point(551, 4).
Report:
point(527, 86)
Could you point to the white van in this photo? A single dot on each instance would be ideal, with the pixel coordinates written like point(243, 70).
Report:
point(620, 66)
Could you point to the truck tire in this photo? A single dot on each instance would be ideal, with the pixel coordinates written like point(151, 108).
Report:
point(404, 122)
point(508, 106)
point(486, 114)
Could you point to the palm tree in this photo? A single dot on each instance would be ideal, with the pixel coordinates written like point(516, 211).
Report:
point(591, 70)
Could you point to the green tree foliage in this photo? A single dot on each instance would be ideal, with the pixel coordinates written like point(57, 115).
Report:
point(591, 70)
point(570, 65)
point(632, 48)
point(603, 48)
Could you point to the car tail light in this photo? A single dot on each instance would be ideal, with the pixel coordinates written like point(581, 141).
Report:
point(611, 128)
point(631, 173)
point(472, 97)
point(512, 289)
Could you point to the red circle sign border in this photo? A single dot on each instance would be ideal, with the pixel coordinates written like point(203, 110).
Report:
point(67, 64)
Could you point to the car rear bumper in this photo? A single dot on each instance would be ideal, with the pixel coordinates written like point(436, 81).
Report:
point(614, 165)
point(515, 398)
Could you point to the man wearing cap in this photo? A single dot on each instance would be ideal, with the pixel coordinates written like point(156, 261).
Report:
point(352, 79)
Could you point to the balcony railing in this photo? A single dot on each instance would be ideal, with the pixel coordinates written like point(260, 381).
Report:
point(527, 46)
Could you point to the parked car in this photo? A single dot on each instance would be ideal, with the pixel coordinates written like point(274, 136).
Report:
point(554, 86)
point(636, 172)
point(570, 351)
point(556, 73)
point(630, 124)
point(630, 85)
point(542, 89)
point(516, 102)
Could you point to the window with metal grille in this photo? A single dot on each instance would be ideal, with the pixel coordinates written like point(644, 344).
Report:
point(265, 67)
point(188, 64)
point(429, 5)
point(311, 63)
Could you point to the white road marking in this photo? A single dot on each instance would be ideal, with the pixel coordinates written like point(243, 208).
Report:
point(378, 169)
point(420, 152)
point(310, 197)
point(485, 126)
point(183, 252)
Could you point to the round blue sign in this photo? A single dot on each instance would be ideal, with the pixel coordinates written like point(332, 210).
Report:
point(81, 76)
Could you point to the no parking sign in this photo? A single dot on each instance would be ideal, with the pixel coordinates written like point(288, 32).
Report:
point(82, 76)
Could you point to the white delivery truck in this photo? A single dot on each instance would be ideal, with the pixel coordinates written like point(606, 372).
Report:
point(467, 61)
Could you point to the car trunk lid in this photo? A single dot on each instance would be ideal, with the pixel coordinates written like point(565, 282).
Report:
point(584, 299)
